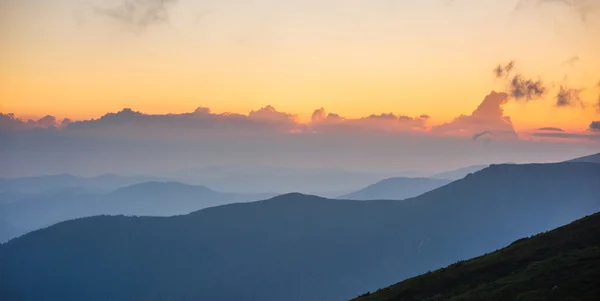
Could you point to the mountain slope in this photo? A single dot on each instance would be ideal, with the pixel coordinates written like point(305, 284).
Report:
point(458, 173)
point(589, 159)
point(563, 264)
point(147, 199)
point(396, 189)
point(294, 247)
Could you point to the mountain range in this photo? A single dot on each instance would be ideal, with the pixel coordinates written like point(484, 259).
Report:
point(295, 247)
point(31, 212)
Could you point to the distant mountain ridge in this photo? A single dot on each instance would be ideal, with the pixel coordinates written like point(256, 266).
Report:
point(31, 212)
point(558, 265)
point(54, 183)
point(396, 189)
point(458, 174)
point(294, 247)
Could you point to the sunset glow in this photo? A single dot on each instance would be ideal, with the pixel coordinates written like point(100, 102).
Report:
point(354, 58)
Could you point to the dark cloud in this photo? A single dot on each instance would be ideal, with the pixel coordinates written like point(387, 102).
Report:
point(550, 129)
point(135, 14)
point(502, 71)
point(568, 97)
point(479, 135)
point(489, 116)
point(595, 126)
point(521, 88)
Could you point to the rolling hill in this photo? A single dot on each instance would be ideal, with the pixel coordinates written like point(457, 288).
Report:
point(563, 264)
point(396, 189)
point(294, 247)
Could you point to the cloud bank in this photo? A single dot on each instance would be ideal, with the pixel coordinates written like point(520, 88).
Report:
point(487, 118)
point(129, 141)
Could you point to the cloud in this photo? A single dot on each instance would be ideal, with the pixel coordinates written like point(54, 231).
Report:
point(559, 133)
point(11, 122)
point(504, 71)
point(318, 115)
point(202, 111)
point(521, 88)
point(388, 122)
point(568, 97)
point(47, 121)
point(550, 129)
point(488, 117)
point(383, 120)
point(264, 119)
point(270, 114)
point(582, 136)
point(479, 135)
point(134, 14)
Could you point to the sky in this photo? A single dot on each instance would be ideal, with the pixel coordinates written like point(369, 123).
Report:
point(68, 58)
point(426, 70)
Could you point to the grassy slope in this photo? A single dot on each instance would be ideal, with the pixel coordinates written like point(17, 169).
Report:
point(563, 264)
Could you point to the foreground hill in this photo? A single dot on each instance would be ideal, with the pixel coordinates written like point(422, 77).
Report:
point(396, 189)
point(563, 264)
point(152, 198)
point(294, 247)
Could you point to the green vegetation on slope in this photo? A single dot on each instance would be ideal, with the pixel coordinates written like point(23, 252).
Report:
point(563, 264)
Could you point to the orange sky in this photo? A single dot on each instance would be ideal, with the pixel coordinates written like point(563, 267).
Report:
point(353, 57)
